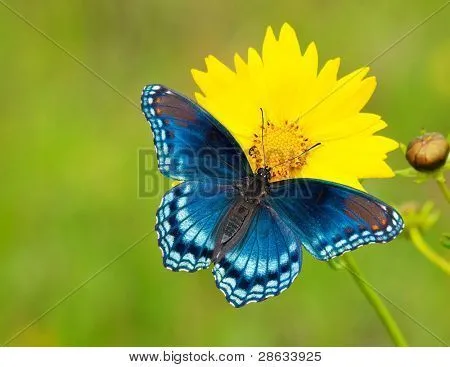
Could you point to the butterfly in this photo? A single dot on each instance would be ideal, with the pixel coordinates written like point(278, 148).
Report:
point(251, 229)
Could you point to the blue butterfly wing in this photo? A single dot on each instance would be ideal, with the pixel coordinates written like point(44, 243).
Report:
point(186, 220)
point(190, 143)
point(331, 218)
point(264, 264)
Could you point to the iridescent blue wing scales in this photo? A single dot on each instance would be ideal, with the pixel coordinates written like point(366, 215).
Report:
point(332, 219)
point(190, 143)
point(186, 220)
point(264, 264)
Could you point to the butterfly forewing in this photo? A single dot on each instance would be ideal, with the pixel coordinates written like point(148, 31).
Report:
point(190, 143)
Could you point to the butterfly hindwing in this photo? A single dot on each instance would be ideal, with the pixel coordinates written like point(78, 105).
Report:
point(331, 218)
point(190, 143)
point(186, 220)
point(264, 264)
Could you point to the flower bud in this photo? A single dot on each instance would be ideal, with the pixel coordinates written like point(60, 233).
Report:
point(428, 152)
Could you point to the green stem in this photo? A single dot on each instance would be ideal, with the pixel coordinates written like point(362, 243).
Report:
point(376, 302)
point(445, 190)
point(422, 246)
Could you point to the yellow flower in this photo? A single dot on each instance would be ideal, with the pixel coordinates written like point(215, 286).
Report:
point(301, 107)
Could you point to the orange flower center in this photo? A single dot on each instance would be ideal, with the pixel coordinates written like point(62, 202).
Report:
point(284, 148)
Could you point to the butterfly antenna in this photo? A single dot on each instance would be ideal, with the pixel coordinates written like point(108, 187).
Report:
point(298, 156)
point(262, 136)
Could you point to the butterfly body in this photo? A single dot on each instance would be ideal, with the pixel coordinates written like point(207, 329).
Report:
point(233, 227)
point(251, 229)
point(235, 224)
point(256, 186)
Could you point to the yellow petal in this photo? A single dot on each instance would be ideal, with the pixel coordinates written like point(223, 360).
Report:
point(217, 71)
point(270, 49)
point(311, 60)
point(240, 66)
point(289, 43)
point(328, 75)
point(360, 156)
point(203, 80)
point(337, 128)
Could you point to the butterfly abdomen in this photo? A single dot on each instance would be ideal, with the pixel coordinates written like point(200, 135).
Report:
point(234, 223)
point(233, 227)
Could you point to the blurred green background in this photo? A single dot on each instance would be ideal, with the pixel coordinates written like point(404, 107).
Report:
point(69, 169)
